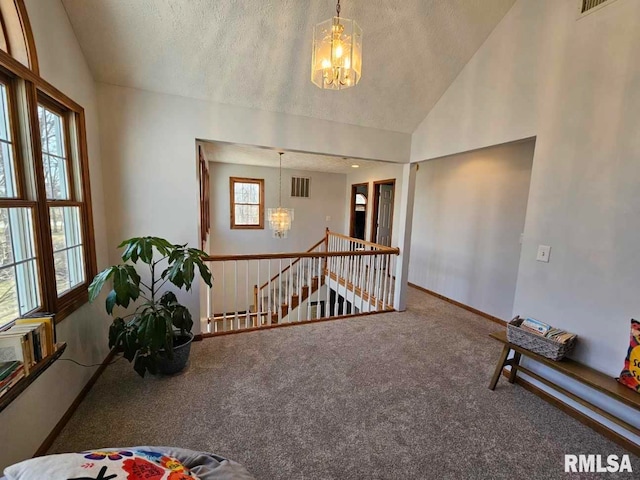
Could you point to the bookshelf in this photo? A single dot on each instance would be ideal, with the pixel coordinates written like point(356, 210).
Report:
point(35, 372)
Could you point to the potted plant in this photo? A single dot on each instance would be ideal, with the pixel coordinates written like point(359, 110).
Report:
point(156, 336)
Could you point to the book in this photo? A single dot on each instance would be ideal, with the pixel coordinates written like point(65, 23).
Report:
point(535, 326)
point(18, 372)
point(49, 318)
point(19, 376)
point(34, 332)
point(48, 327)
point(15, 347)
point(7, 368)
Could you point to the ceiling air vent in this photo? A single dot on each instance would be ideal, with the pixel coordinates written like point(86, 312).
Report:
point(591, 4)
point(300, 187)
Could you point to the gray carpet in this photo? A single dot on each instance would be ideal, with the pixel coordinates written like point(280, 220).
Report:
point(391, 396)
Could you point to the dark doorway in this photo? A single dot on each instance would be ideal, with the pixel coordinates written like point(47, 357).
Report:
point(383, 197)
point(359, 202)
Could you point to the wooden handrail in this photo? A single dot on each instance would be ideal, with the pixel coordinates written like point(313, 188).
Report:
point(297, 260)
point(357, 240)
point(275, 256)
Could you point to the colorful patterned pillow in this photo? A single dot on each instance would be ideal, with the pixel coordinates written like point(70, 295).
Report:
point(630, 375)
point(101, 465)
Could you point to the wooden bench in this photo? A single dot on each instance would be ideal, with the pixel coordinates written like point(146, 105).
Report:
point(572, 369)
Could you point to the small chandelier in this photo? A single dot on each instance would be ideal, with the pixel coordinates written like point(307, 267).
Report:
point(337, 53)
point(280, 219)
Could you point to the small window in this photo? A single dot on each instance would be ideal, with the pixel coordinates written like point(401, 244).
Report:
point(247, 203)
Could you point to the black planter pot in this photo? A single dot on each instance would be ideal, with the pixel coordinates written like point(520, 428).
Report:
point(181, 351)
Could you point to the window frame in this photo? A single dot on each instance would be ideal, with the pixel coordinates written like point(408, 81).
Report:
point(233, 203)
point(27, 91)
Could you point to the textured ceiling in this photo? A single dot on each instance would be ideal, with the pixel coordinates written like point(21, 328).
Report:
point(264, 157)
point(257, 53)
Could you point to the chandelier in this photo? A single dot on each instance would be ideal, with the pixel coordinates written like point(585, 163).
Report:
point(280, 219)
point(337, 53)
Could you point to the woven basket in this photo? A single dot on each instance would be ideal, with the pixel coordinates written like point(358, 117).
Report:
point(536, 343)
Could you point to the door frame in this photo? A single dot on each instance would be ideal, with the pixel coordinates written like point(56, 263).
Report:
point(376, 202)
point(352, 214)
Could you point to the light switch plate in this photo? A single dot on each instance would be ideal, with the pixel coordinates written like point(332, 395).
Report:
point(544, 251)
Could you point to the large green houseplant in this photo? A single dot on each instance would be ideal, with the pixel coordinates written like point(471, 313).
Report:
point(159, 324)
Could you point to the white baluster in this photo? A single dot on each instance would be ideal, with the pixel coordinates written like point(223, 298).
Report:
point(279, 307)
point(224, 299)
point(299, 286)
point(236, 318)
point(269, 296)
point(210, 304)
point(259, 305)
point(385, 268)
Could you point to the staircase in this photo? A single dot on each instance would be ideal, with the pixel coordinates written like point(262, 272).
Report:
point(337, 276)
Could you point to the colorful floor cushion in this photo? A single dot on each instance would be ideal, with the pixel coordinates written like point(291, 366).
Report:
point(136, 463)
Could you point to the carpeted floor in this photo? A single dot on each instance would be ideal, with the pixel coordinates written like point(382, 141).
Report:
point(392, 396)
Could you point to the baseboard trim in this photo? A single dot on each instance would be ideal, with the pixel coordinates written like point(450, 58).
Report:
point(46, 445)
point(458, 304)
point(578, 415)
point(198, 337)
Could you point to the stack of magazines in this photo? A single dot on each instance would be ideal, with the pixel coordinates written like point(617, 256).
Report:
point(544, 330)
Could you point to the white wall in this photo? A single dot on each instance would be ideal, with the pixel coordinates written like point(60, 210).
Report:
point(467, 220)
point(327, 198)
point(575, 84)
point(28, 420)
point(148, 143)
point(370, 175)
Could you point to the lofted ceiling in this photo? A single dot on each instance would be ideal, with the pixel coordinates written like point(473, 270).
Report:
point(265, 157)
point(257, 53)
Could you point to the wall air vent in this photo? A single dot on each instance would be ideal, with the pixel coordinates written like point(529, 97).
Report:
point(588, 5)
point(300, 187)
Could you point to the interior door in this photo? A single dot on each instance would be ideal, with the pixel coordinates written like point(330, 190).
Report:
point(385, 215)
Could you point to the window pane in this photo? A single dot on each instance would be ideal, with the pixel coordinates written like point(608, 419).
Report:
point(65, 227)
point(69, 265)
point(61, 264)
point(254, 193)
point(54, 159)
point(53, 139)
point(8, 296)
point(19, 287)
point(4, 115)
point(247, 214)
point(7, 166)
point(67, 246)
point(7, 171)
point(246, 193)
point(238, 192)
point(55, 177)
point(43, 129)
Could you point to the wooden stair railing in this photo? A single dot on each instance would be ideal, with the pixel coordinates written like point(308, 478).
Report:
point(294, 298)
point(359, 273)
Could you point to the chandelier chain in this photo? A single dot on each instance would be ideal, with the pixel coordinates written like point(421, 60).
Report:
point(338, 8)
point(280, 183)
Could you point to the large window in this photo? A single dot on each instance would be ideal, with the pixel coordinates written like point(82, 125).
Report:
point(62, 198)
point(47, 253)
point(247, 203)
